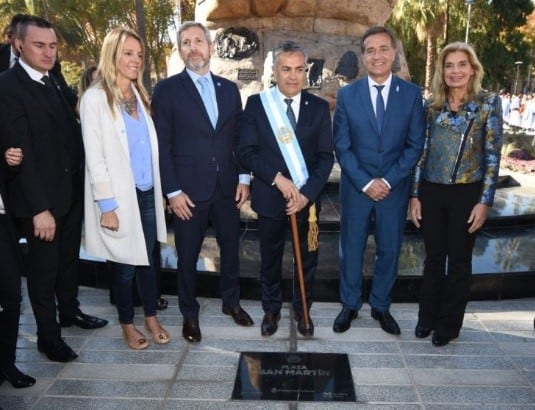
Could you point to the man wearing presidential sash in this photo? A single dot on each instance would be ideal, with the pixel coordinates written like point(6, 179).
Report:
point(285, 140)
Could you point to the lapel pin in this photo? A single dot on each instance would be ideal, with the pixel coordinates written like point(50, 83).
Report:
point(397, 88)
point(218, 84)
point(306, 102)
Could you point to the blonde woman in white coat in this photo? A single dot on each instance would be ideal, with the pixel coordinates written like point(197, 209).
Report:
point(123, 197)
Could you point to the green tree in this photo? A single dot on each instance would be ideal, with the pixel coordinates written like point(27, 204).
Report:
point(426, 19)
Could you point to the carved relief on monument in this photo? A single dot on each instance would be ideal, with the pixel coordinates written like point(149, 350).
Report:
point(235, 43)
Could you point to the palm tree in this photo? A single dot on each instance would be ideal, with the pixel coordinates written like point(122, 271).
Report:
point(427, 18)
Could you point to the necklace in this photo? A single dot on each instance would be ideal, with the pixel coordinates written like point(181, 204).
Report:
point(130, 104)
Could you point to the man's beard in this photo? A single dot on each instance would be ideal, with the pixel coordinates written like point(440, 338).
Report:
point(197, 65)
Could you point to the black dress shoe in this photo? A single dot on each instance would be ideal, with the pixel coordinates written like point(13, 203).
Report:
point(191, 330)
point(269, 323)
point(240, 316)
point(439, 340)
point(17, 379)
point(388, 323)
point(83, 321)
point(422, 331)
point(161, 303)
point(303, 328)
point(343, 320)
point(57, 351)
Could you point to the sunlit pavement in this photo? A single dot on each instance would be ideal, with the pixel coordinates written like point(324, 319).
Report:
point(490, 366)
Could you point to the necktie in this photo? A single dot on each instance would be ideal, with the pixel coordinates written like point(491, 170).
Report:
point(379, 108)
point(290, 112)
point(207, 100)
point(46, 79)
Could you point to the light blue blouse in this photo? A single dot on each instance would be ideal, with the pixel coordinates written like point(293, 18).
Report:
point(140, 155)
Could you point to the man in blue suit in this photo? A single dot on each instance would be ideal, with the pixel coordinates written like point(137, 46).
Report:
point(378, 137)
point(196, 115)
point(277, 191)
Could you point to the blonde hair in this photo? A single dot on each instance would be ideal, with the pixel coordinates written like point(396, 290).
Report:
point(438, 86)
point(110, 54)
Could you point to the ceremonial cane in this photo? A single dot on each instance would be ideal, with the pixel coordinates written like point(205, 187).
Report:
point(299, 264)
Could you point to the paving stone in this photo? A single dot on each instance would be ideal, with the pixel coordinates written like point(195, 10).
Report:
point(490, 366)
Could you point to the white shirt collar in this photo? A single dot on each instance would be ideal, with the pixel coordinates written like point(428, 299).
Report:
point(34, 74)
point(387, 83)
point(296, 100)
point(12, 57)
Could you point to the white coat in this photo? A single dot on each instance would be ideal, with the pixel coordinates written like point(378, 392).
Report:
point(108, 174)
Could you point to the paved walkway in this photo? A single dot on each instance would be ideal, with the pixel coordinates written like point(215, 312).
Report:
point(491, 365)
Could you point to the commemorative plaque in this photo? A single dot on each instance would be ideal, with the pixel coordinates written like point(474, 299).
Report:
point(294, 377)
point(247, 74)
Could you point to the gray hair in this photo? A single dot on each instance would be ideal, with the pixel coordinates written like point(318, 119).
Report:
point(189, 24)
point(288, 47)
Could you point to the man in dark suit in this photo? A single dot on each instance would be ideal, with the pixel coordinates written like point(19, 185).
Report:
point(196, 115)
point(45, 194)
point(276, 190)
point(8, 53)
point(378, 137)
point(10, 283)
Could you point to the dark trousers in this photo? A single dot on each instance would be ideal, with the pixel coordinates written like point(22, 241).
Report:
point(448, 255)
point(272, 232)
point(53, 271)
point(123, 274)
point(221, 211)
point(10, 270)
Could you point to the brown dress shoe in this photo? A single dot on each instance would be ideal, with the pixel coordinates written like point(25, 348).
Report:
point(269, 323)
point(240, 316)
point(191, 330)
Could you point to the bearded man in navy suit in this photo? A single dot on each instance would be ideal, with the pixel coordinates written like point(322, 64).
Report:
point(196, 115)
point(378, 137)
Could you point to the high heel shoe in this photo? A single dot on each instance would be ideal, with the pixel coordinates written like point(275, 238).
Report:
point(161, 336)
point(139, 342)
point(17, 379)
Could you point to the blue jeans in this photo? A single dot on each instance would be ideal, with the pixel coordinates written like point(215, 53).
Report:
point(123, 274)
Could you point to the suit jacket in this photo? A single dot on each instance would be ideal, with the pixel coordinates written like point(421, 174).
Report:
point(260, 153)
point(109, 174)
point(193, 155)
point(365, 153)
point(5, 55)
point(45, 126)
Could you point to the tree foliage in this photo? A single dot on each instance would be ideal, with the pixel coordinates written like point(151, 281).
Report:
point(81, 26)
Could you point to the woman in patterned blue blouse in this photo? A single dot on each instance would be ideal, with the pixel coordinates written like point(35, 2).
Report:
point(453, 187)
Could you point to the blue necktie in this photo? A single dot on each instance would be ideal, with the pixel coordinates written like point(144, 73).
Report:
point(379, 108)
point(290, 112)
point(207, 100)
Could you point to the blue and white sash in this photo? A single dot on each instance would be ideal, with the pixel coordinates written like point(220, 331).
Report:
point(285, 135)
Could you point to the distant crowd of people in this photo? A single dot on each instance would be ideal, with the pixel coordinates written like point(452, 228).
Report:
point(116, 156)
point(518, 111)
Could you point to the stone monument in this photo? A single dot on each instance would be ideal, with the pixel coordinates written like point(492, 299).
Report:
point(244, 32)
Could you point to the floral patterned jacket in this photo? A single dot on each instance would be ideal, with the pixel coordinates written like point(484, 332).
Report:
point(480, 156)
